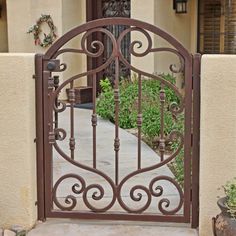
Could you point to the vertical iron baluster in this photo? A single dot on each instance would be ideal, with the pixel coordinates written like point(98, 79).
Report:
point(139, 119)
point(94, 121)
point(117, 140)
point(56, 84)
point(162, 138)
point(72, 102)
point(49, 135)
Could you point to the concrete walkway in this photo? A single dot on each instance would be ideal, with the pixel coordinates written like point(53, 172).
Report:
point(106, 163)
point(77, 228)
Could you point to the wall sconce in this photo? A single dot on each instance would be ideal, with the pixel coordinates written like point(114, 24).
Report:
point(180, 6)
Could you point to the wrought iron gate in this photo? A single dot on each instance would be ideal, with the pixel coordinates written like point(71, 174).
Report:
point(74, 193)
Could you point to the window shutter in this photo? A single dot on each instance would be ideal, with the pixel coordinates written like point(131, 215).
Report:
point(217, 26)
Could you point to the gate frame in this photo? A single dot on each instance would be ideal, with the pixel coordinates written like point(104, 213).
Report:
point(41, 136)
point(196, 90)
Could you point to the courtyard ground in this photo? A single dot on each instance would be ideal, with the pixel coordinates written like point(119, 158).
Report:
point(93, 228)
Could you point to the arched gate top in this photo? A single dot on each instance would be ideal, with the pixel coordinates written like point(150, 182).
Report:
point(116, 21)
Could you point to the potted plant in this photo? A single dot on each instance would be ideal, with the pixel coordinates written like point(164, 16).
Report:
point(225, 223)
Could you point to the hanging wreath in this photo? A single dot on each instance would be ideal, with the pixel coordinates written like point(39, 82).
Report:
point(36, 31)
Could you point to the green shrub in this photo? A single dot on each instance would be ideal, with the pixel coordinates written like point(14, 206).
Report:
point(230, 192)
point(129, 104)
point(177, 165)
point(105, 104)
point(151, 125)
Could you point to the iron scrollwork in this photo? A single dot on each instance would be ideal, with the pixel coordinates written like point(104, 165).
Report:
point(151, 190)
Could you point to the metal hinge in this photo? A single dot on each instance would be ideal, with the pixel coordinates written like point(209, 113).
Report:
point(33, 76)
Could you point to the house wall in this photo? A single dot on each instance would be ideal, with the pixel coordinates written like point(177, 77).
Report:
point(218, 133)
point(3, 29)
point(74, 14)
point(17, 147)
point(138, 8)
point(22, 14)
point(183, 27)
point(66, 14)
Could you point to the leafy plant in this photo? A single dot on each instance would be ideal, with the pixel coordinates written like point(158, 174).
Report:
point(105, 85)
point(230, 192)
point(177, 165)
point(151, 112)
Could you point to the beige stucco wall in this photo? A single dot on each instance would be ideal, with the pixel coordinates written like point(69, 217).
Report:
point(3, 29)
point(183, 27)
point(218, 133)
point(74, 14)
point(144, 12)
point(17, 147)
point(66, 14)
point(22, 14)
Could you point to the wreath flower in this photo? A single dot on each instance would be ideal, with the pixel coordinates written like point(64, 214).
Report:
point(36, 31)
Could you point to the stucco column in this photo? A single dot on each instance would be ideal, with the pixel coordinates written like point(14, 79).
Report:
point(218, 133)
point(17, 147)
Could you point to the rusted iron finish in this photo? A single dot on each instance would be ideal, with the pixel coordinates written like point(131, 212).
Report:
point(52, 107)
point(39, 137)
point(94, 122)
point(196, 139)
point(56, 84)
point(71, 98)
point(162, 124)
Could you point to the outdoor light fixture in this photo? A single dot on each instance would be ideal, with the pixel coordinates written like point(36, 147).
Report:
point(180, 6)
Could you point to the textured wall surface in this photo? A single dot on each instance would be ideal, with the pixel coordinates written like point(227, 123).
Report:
point(17, 147)
point(22, 14)
point(73, 15)
point(218, 133)
point(181, 26)
point(66, 14)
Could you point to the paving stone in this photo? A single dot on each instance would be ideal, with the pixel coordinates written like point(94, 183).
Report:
point(9, 233)
point(19, 230)
point(16, 228)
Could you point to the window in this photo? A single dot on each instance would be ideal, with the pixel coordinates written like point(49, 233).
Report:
point(217, 29)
